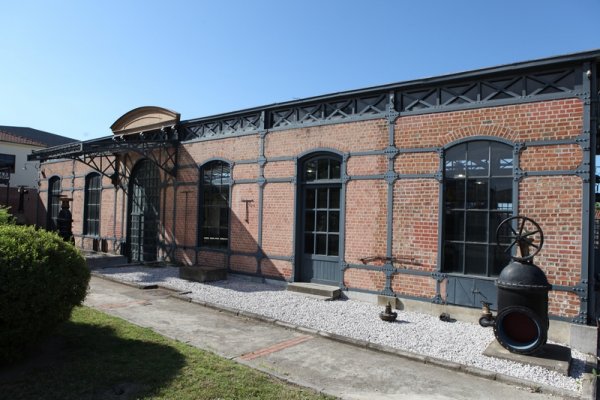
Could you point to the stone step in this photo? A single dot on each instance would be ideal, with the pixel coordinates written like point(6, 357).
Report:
point(99, 260)
point(202, 273)
point(315, 289)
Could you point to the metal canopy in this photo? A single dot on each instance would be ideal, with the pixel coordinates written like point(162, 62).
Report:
point(96, 153)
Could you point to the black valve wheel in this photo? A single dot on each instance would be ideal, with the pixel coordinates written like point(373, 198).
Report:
point(527, 235)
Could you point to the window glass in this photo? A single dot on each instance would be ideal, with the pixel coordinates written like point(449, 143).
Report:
point(92, 202)
point(478, 157)
point(214, 227)
point(54, 192)
point(334, 169)
point(323, 169)
point(322, 206)
point(455, 193)
point(501, 194)
point(502, 160)
point(310, 171)
point(478, 195)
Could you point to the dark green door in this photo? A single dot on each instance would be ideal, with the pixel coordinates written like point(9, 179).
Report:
point(143, 215)
point(320, 221)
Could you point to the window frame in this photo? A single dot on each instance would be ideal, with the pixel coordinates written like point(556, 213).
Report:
point(474, 210)
point(54, 193)
point(220, 241)
point(317, 184)
point(92, 229)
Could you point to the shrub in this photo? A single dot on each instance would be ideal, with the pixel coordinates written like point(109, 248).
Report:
point(5, 217)
point(42, 278)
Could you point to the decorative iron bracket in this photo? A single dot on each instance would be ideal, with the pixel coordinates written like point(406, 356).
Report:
point(439, 276)
point(98, 164)
point(584, 140)
point(391, 152)
point(390, 177)
point(519, 174)
point(148, 149)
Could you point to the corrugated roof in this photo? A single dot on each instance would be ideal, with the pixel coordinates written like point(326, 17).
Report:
point(23, 135)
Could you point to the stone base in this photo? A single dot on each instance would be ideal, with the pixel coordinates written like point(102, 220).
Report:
point(331, 292)
point(99, 260)
point(203, 274)
point(550, 356)
point(383, 300)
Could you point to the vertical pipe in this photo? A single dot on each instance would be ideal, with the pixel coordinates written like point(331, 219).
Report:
point(587, 173)
point(261, 187)
point(296, 254)
point(342, 233)
point(438, 275)
point(390, 177)
point(593, 302)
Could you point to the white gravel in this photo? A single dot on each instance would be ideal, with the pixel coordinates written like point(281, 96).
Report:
point(460, 342)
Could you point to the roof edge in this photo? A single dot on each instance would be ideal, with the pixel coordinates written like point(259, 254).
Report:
point(591, 55)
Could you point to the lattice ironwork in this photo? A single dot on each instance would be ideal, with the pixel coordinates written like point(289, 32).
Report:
point(223, 127)
point(333, 110)
point(564, 80)
point(101, 155)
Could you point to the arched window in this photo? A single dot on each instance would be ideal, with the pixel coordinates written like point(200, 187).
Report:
point(53, 202)
point(93, 192)
point(478, 194)
point(215, 178)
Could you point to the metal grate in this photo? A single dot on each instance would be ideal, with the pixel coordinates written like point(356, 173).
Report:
point(144, 212)
point(489, 90)
point(336, 110)
point(223, 127)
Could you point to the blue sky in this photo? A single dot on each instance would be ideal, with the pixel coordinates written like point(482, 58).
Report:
point(74, 67)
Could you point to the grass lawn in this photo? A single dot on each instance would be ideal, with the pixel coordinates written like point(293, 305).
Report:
point(96, 356)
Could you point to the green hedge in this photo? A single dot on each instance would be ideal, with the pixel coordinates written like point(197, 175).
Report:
point(42, 278)
point(5, 216)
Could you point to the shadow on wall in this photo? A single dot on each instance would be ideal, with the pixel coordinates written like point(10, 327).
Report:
point(24, 211)
point(243, 227)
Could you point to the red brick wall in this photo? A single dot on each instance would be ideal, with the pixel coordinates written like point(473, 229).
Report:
point(555, 201)
point(280, 169)
point(417, 163)
point(364, 279)
point(358, 136)
point(243, 264)
point(245, 171)
point(28, 216)
point(367, 165)
point(551, 158)
point(558, 119)
point(412, 285)
point(278, 219)
point(232, 149)
point(415, 234)
point(278, 269)
point(366, 213)
point(244, 234)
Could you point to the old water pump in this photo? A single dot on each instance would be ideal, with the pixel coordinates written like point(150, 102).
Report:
point(521, 325)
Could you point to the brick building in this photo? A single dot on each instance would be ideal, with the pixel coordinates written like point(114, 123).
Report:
point(418, 173)
point(19, 177)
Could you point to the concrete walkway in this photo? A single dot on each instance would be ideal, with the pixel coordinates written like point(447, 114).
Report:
point(325, 365)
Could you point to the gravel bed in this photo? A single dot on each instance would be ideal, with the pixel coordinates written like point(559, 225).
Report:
point(459, 342)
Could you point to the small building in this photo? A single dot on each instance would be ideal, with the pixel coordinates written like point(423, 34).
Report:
point(19, 177)
point(415, 174)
